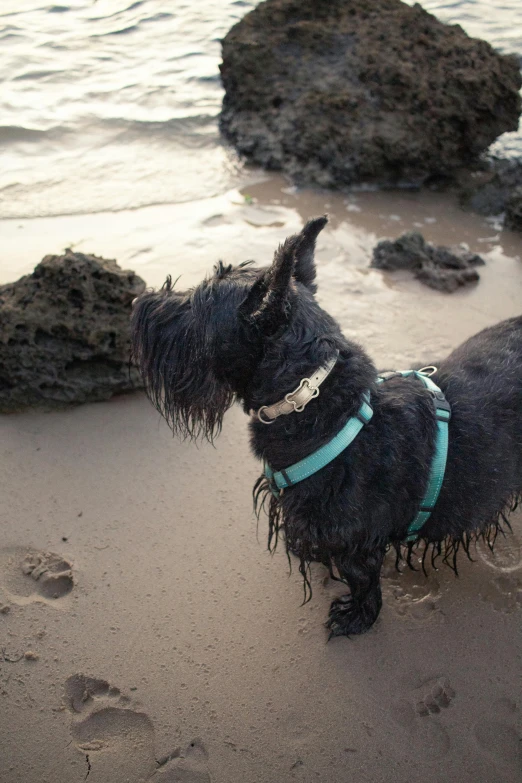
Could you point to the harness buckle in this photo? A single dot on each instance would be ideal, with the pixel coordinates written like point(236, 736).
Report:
point(442, 405)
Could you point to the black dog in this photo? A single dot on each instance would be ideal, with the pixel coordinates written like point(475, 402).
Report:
point(254, 335)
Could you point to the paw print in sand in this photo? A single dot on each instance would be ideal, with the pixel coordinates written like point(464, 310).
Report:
point(437, 696)
point(430, 700)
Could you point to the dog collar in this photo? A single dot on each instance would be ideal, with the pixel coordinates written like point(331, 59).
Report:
point(296, 400)
point(281, 479)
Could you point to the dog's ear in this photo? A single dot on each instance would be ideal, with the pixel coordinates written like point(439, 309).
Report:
point(267, 304)
point(304, 244)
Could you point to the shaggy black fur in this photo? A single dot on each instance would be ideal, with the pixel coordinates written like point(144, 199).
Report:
point(252, 334)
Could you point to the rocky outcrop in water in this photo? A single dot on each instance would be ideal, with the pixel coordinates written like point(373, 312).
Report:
point(64, 333)
point(495, 189)
point(345, 91)
point(442, 268)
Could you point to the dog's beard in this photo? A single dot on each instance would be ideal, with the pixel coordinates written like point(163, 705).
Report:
point(193, 403)
point(176, 367)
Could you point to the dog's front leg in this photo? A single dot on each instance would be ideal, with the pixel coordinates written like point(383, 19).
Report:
point(356, 612)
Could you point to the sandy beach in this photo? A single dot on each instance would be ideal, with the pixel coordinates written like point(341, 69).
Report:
point(174, 632)
point(146, 633)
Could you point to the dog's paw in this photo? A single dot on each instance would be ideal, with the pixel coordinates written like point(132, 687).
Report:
point(346, 618)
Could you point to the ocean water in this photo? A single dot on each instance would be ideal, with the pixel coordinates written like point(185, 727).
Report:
point(109, 104)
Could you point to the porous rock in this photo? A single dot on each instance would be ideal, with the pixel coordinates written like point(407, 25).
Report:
point(442, 268)
point(64, 333)
point(343, 91)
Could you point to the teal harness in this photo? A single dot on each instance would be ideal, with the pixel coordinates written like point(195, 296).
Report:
point(282, 479)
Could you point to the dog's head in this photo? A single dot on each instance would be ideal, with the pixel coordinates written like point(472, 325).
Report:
point(198, 349)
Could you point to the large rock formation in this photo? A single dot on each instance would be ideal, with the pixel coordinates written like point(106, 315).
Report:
point(442, 268)
point(64, 333)
point(342, 91)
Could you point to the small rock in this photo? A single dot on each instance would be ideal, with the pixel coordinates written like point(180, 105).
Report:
point(446, 280)
point(30, 655)
point(442, 268)
point(406, 252)
point(4, 609)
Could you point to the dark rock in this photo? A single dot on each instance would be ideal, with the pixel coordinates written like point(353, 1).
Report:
point(494, 189)
point(64, 333)
point(406, 252)
point(444, 279)
point(344, 91)
point(442, 268)
point(513, 217)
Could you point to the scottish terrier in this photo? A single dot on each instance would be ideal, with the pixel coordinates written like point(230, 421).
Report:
point(258, 336)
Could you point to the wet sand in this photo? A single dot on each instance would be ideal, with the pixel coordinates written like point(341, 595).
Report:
point(163, 643)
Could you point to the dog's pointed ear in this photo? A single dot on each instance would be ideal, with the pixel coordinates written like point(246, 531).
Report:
point(304, 244)
point(267, 304)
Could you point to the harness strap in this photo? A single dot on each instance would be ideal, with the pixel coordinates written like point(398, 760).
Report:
point(306, 467)
point(282, 479)
point(438, 463)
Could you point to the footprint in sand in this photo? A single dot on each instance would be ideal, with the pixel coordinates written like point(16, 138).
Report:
point(419, 715)
point(28, 575)
point(497, 737)
point(410, 593)
point(117, 739)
